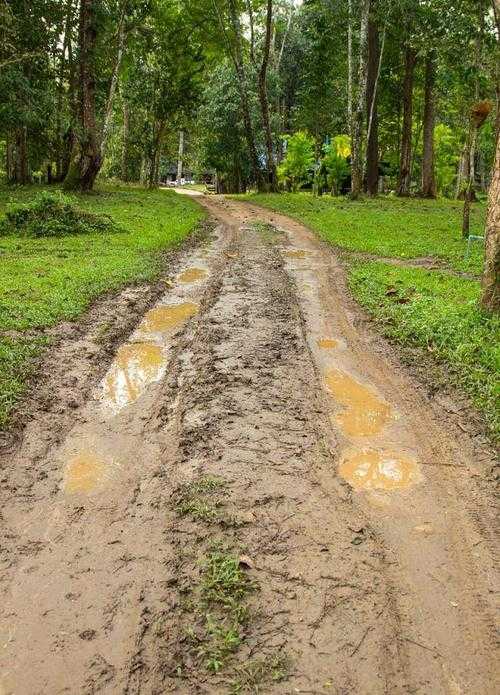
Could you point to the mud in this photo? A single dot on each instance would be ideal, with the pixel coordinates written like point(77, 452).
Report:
point(370, 547)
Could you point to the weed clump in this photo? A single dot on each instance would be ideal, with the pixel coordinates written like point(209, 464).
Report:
point(54, 215)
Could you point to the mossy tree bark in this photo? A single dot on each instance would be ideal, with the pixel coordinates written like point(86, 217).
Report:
point(491, 277)
point(406, 134)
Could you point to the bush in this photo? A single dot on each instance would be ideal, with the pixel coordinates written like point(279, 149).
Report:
point(53, 214)
point(296, 169)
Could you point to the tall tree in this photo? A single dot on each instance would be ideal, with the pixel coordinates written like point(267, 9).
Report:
point(428, 173)
point(491, 277)
point(86, 157)
point(360, 104)
point(272, 183)
point(372, 155)
point(406, 132)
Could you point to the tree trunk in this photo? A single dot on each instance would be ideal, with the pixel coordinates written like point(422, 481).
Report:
point(237, 57)
point(428, 173)
point(180, 158)
point(357, 125)
point(125, 142)
point(154, 163)
point(491, 277)
point(106, 128)
point(350, 66)
point(479, 114)
point(86, 157)
point(60, 91)
point(272, 179)
point(10, 159)
point(21, 164)
point(371, 109)
point(406, 133)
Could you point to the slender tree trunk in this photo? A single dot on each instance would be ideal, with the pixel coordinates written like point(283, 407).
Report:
point(406, 132)
point(428, 173)
point(357, 126)
point(154, 164)
point(10, 158)
point(272, 183)
point(86, 157)
point(60, 91)
point(237, 57)
point(180, 156)
point(491, 277)
point(350, 67)
point(106, 128)
point(478, 116)
point(125, 142)
point(21, 163)
point(371, 109)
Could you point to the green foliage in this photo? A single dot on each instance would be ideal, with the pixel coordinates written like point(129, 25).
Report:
point(296, 168)
point(335, 161)
point(440, 314)
point(447, 151)
point(16, 366)
point(53, 214)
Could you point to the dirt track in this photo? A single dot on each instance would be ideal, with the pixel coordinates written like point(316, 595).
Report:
point(362, 517)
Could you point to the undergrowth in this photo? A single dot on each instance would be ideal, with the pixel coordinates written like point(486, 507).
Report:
point(53, 215)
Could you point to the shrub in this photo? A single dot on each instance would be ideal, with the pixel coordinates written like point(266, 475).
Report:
point(296, 168)
point(335, 162)
point(53, 214)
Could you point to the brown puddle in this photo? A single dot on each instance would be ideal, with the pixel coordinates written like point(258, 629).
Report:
point(327, 343)
point(298, 253)
point(136, 365)
point(365, 412)
point(370, 469)
point(162, 319)
point(192, 275)
point(84, 473)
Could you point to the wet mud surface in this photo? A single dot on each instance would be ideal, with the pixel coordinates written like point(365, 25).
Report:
point(361, 520)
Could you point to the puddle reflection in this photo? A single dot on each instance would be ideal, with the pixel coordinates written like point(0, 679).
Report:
point(162, 319)
point(135, 367)
point(365, 412)
point(84, 473)
point(192, 275)
point(370, 469)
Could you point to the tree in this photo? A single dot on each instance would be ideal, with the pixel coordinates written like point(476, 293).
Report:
point(86, 157)
point(335, 162)
point(428, 174)
point(491, 277)
point(264, 101)
point(479, 114)
point(374, 56)
point(359, 103)
point(406, 134)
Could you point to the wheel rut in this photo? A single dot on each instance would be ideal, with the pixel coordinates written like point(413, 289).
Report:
point(255, 498)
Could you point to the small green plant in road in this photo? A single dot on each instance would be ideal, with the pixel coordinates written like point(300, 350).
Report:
point(200, 499)
point(257, 674)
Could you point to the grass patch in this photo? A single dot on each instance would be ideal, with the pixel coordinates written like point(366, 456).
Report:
point(200, 499)
point(220, 604)
point(386, 226)
point(16, 366)
point(439, 313)
point(50, 278)
point(257, 674)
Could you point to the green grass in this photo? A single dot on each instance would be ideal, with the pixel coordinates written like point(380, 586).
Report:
point(395, 227)
point(440, 313)
point(46, 280)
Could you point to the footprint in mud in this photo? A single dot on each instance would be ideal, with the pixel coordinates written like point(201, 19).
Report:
point(366, 413)
point(370, 469)
point(192, 275)
point(136, 365)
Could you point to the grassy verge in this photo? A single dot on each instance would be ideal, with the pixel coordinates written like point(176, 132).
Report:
point(46, 280)
point(432, 310)
point(392, 227)
point(439, 313)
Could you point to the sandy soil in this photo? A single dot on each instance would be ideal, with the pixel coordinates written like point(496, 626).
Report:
point(360, 512)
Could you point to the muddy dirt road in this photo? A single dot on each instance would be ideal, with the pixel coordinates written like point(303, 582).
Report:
point(252, 496)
